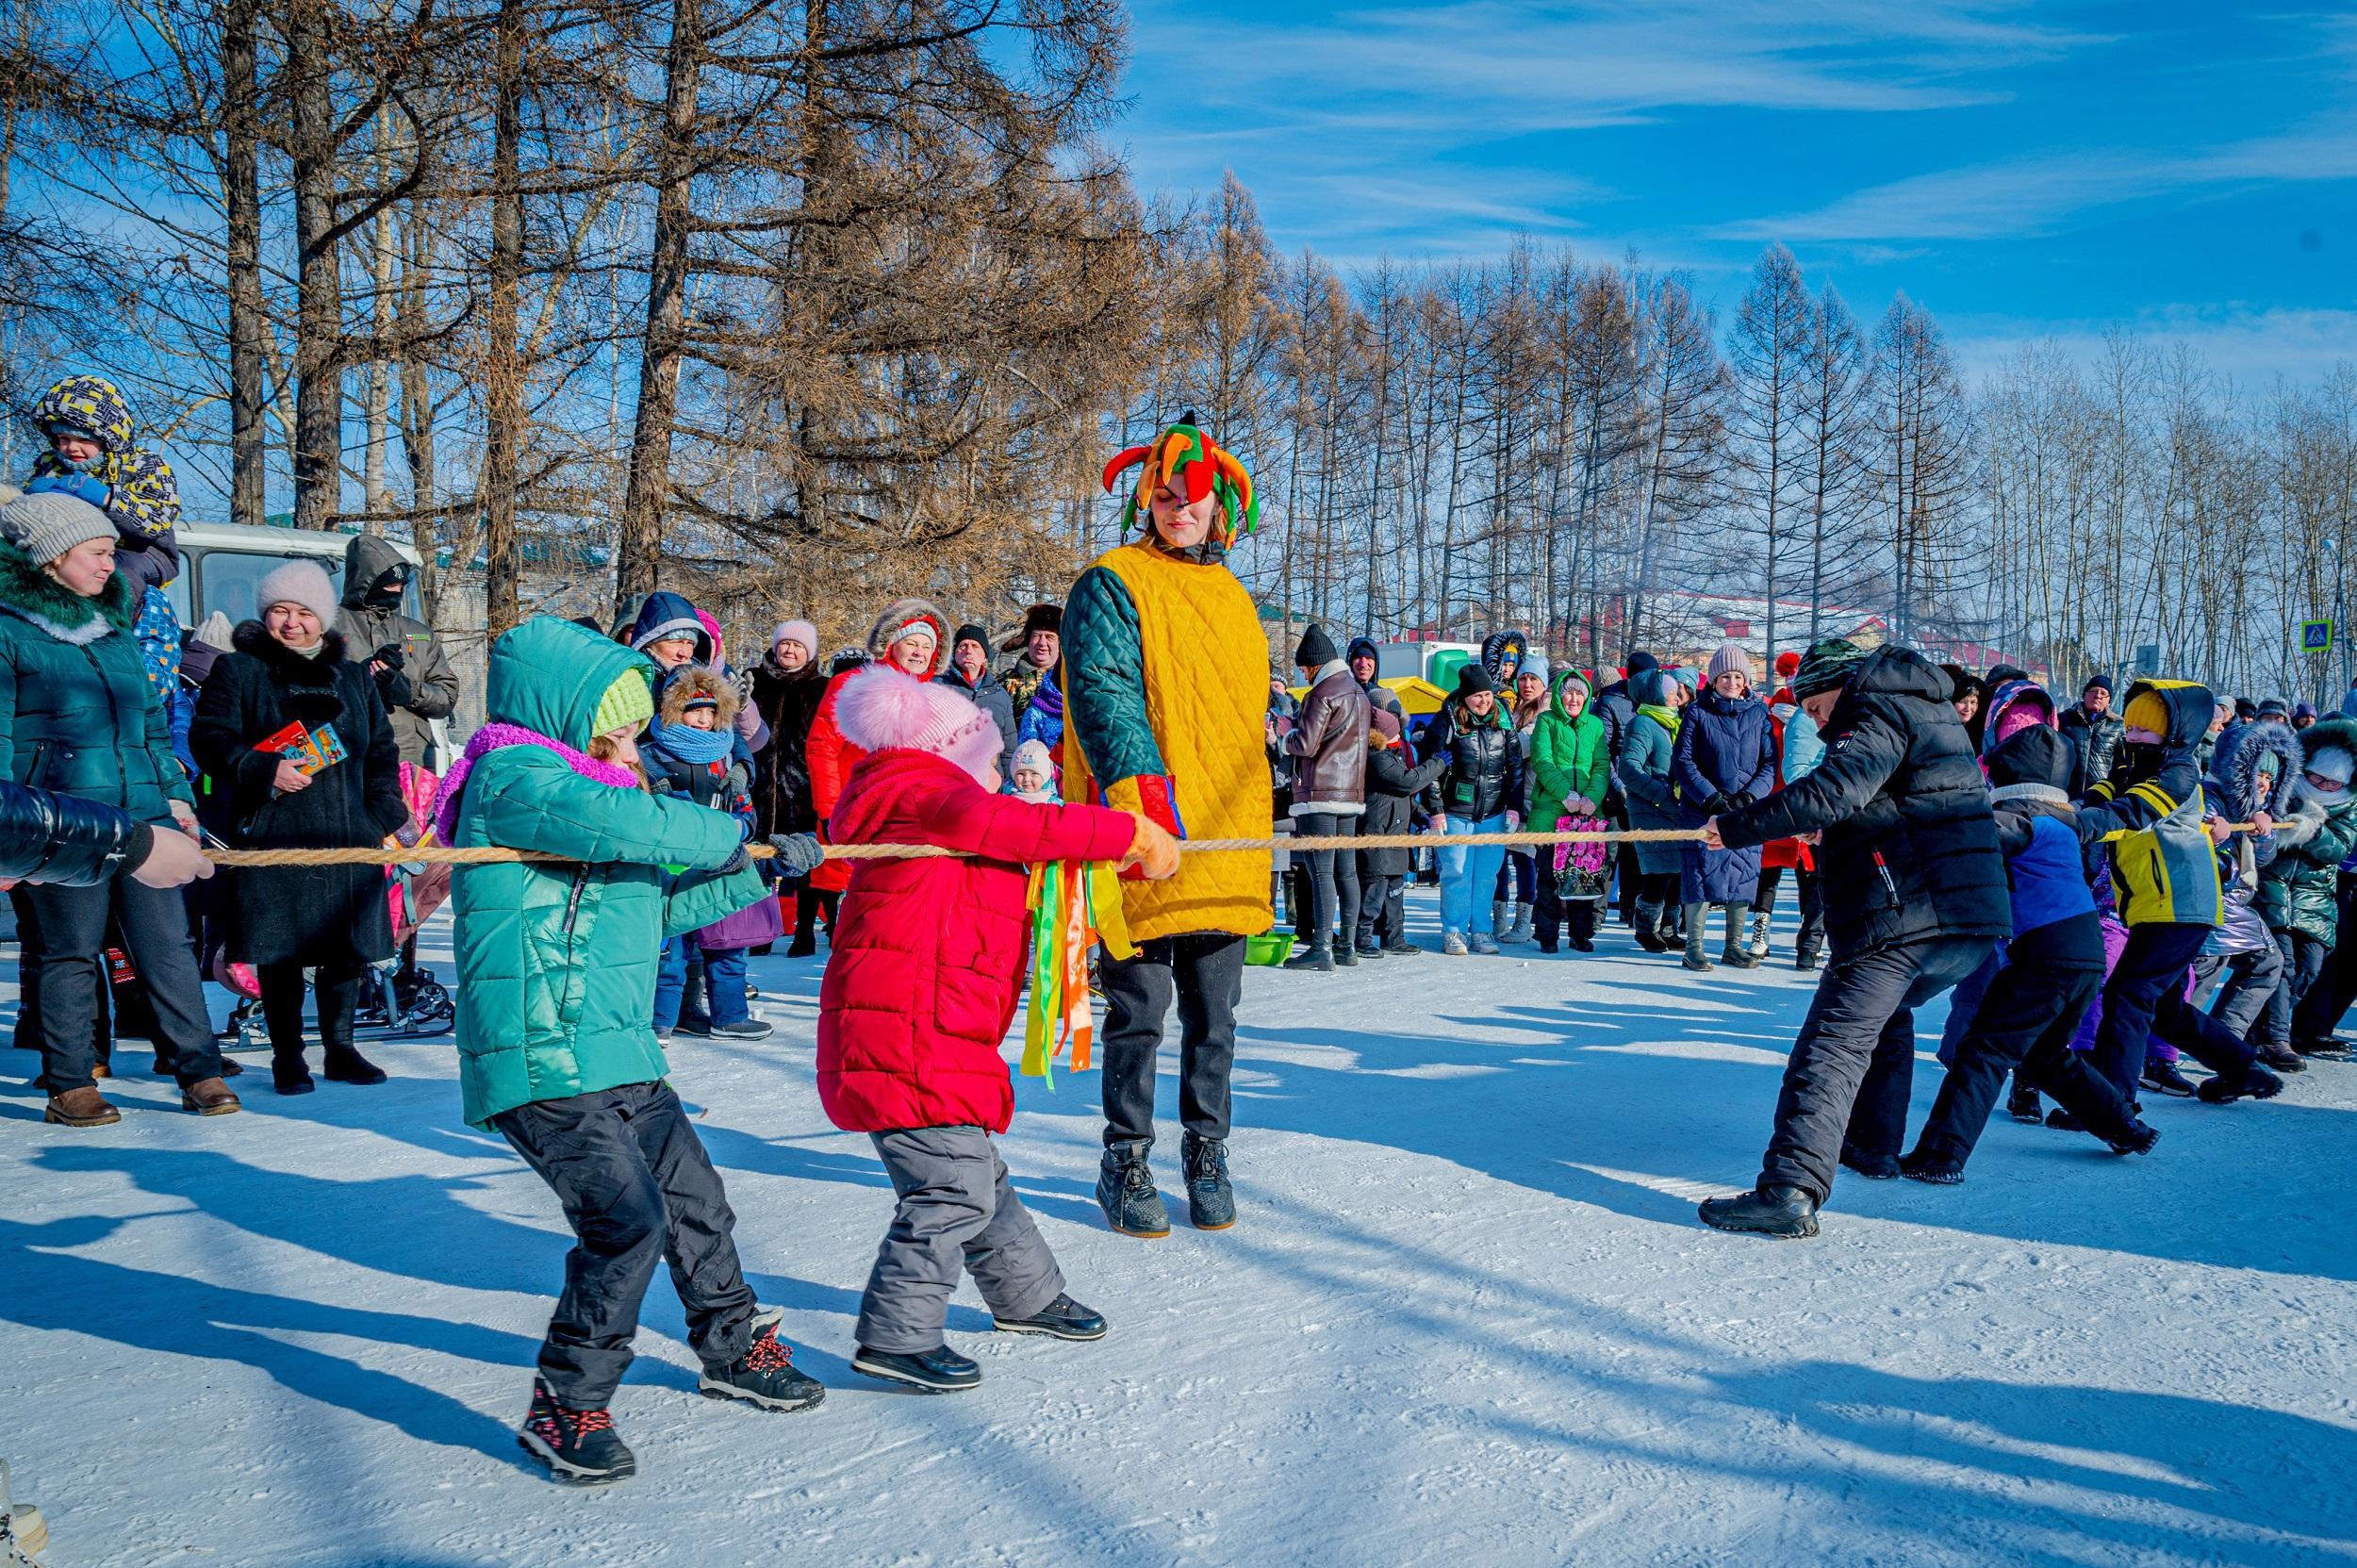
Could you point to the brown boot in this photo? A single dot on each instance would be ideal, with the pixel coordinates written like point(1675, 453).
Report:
point(209, 1096)
point(80, 1108)
point(100, 1069)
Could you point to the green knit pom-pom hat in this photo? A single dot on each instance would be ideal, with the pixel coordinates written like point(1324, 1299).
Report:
point(629, 700)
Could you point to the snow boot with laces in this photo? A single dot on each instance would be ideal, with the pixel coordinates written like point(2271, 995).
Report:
point(580, 1448)
point(940, 1370)
point(1520, 931)
point(2254, 1081)
point(1125, 1190)
point(1211, 1201)
point(1695, 959)
point(1739, 955)
point(764, 1376)
point(2163, 1078)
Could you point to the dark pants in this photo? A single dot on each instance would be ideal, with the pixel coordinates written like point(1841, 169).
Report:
point(2303, 959)
point(2320, 1011)
point(1204, 974)
point(1518, 879)
point(68, 970)
point(1381, 909)
point(2145, 1000)
point(281, 984)
point(809, 903)
point(1812, 936)
point(1964, 1001)
point(1333, 880)
point(2251, 981)
point(637, 1185)
point(2028, 1016)
point(1853, 1064)
point(1551, 916)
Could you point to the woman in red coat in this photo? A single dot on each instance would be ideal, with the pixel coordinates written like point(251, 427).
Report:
point(911, 636)
point(929, 957)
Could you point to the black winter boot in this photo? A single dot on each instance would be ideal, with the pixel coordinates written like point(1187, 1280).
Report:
point(765, 1375)
point(1786, 1213)
point(2163, 1078)
point(1313, 957)
point(1211, 1201)
point(1063, 1318)
point(2021, 1104)
point(938, 1370)
point(2253, 1083)
point(1125, 1190)
point(1938, 1169)
point(2138, 1139)
point(1648, 927)
point(1874, 1167)
point(580, 1448)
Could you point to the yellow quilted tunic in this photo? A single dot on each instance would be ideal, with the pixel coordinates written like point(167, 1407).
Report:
point(1166, 674)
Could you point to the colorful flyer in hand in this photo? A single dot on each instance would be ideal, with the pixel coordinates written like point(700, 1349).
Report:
point(311, 750)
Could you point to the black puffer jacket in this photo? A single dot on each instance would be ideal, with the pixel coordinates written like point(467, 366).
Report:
point(1910, 850)
point(1393, 780)
point(64, 841)
point(1484, 775)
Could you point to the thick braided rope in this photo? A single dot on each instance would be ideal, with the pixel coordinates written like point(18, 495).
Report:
point(492, 854)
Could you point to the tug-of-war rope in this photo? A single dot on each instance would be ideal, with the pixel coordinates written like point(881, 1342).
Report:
point(493, 854)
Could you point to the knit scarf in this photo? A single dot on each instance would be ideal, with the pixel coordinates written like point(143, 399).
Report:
point(491, 738)
point(694, 747)
point(1665, 716)
point(1049, 700)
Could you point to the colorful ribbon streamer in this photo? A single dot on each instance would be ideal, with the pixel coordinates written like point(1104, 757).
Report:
point(1075, 905)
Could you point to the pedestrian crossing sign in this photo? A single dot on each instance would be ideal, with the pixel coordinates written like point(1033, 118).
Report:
point(2315, 636)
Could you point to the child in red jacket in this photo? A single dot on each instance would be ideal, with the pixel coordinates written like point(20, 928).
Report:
point(929, 957)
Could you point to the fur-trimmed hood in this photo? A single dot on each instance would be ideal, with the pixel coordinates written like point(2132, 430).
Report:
point(35, 596)
point(693, 681)
point(2233, 778)
point(1496, 646)
point(899, 614)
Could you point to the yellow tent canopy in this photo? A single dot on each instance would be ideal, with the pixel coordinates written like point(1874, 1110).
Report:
point(1418, 695)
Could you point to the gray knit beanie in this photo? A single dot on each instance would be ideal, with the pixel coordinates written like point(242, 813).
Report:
point(48, 524)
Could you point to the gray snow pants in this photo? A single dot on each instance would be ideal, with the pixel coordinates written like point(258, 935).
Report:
point(957, 1211)
point(636, 1186)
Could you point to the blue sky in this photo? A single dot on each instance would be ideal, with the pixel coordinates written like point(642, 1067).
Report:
point(2025, 171)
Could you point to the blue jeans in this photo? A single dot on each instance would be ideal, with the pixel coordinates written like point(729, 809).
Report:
point(1467, 874)
point(682, 979)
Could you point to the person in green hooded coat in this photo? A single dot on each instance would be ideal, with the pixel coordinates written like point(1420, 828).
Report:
point(556, 976)
point(1571, 773)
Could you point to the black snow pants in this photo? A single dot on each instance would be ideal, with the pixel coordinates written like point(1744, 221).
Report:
point(2320, 1011)
point(2144, 999)
point(1204, 974)
point(1854, 1065)
point(636, 1186)
point(2026, 1022)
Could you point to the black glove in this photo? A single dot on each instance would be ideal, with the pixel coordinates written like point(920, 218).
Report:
point(390, 656)
point(1718, 805)
point(798, 853)
point(392, 685)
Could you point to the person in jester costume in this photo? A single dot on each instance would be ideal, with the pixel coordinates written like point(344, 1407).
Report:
point(1164, 671)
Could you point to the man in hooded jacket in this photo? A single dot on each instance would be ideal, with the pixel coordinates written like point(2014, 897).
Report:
point(413, 674)
point(1915, 897)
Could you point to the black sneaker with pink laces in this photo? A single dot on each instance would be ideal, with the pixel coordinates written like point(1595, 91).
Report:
point(580, 1448)
point(765, 1375)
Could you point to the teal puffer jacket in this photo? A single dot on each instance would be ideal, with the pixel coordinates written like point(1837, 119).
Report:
point(556, 963)
point(76, 713)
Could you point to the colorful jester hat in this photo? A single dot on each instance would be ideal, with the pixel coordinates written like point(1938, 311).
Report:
point(1190, 463)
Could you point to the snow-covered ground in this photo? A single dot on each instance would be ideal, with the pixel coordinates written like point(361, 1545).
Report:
point(1468, 1317)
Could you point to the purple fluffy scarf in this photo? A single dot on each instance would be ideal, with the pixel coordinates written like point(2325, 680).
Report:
point(493, 736)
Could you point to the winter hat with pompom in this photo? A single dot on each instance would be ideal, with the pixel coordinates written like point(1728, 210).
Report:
point(298, 582)
point(1788, 664)
point(882, 709)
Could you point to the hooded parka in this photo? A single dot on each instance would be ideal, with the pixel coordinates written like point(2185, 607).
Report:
point(422, 687)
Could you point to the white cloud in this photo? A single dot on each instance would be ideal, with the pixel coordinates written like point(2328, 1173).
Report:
point(2253, 346)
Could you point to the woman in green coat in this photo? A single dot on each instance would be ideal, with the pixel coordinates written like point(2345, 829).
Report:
point(77, 715)
point(556, 976)
point(1643, 771)
point(1571, 773)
